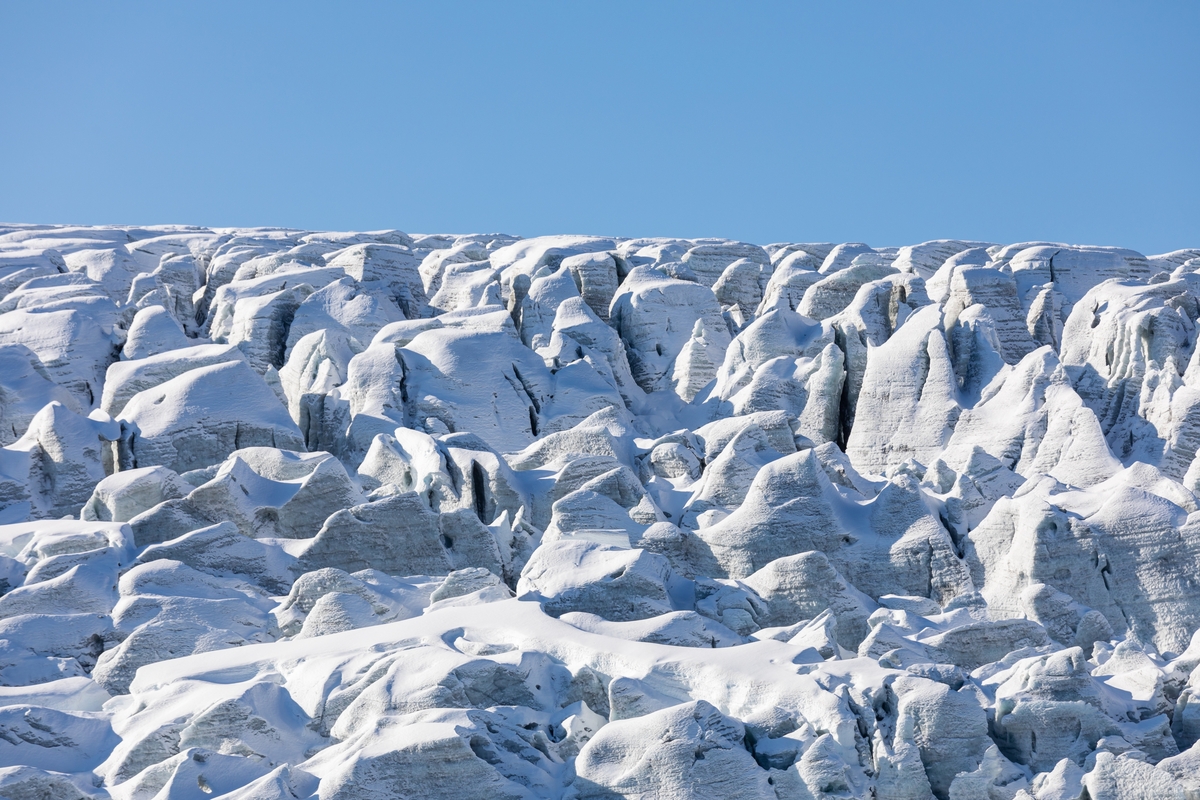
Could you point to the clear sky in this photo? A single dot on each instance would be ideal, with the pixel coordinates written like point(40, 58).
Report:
point(888, 122)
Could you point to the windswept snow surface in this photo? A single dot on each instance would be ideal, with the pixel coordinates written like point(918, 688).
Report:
point(357, 516)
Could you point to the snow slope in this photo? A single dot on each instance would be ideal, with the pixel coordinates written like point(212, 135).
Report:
point(316, 515)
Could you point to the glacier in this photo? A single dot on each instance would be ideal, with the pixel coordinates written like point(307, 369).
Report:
point(312, 515)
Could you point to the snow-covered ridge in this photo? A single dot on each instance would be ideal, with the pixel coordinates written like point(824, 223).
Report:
point(291, 514)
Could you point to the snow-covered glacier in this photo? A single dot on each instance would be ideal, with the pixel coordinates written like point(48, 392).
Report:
point(294, 515)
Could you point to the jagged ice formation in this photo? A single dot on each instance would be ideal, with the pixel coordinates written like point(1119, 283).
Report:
point(290, 514)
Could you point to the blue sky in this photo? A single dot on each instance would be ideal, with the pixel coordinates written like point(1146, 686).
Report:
point(888, 123)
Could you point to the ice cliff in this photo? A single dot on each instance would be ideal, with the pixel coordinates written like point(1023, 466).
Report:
point(295, 515)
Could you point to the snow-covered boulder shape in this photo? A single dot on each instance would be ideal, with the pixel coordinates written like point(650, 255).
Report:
point(709, 260)
point(546, 292)
point(386, 270)
point(976, 354)
point(657, 316)
point(908, 403)
point(877, 310)
point(572, 473)
point(317, 365)
point(59, 583)
point(456, 471)
point(169, 609)
point(343, 306)
point(926, 258)
point(789, 281)
point(740, 288)
point(1129, 348)
point(834, 292)
point(329, 600)
point(256, 313)
point(265, 492)
point(261, 323)
point(783, 362)
point(578, 335)
point(1035, 423)
point(193, 420)
point(153, 331)
point(689, 750)
point(124, 379)
point(25, 389)
point(777, 332)
point(524, 257)
point(616, 584)
point(696, 365)
point(613, 501)
point(800, 587)
point(121, 497)
point(780, 251)
point(595, 275)
point(1108, 549)
point(400, 535)
point(938, 283)
point(947, 726)
point(842, 256)
point(727, 477)
point(75, 339)
point(604, 433)
point(1116, 777)
point(50, 470)
point(485, 383)
point(996, 291)
point(716, 435)
point(114, 268)
point(1074, 270)
point(224, 551)
point(897, 547)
